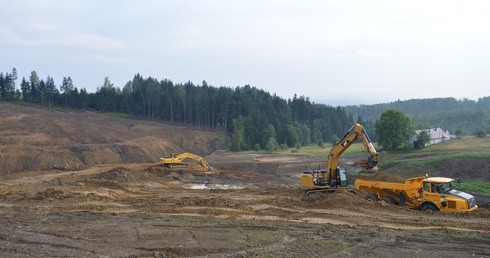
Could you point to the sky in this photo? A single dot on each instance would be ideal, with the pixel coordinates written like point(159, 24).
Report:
point(335, 52)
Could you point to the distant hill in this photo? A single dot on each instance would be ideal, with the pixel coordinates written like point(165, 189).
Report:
point(449, 113)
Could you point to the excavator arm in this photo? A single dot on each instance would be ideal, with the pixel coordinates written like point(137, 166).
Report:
point(356, 132)
point(323, 180)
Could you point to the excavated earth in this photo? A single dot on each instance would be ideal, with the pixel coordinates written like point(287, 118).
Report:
point(247, 205)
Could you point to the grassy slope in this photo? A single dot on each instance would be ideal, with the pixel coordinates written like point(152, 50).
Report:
point(431, 158)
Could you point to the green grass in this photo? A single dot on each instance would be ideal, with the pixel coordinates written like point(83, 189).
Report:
point(60, 109)
point(124, 115)
point(327, 244)
point(188, 222)
point(479, 186)
point(316, 151)
point(261, 237)
point(438, 154)
point(467, 235)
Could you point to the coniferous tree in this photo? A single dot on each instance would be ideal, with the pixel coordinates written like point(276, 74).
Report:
point(34, 91)
point(245, 115)
point(25, 88)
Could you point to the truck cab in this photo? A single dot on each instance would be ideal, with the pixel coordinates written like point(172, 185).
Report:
point(442, 192)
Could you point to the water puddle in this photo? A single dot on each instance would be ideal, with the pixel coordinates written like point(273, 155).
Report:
point(215, 186)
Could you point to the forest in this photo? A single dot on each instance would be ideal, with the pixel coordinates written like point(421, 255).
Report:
point(245, 117)
point(464, 115)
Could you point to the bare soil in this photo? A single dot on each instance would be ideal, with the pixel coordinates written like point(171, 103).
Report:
point(39, 138)
point(247, 205)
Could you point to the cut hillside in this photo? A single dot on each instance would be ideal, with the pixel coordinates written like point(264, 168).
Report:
point(34, 137)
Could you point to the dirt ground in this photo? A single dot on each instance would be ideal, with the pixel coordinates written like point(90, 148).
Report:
point(247, 205)
point(144, 210)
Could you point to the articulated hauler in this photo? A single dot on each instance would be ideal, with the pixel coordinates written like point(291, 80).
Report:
point(422, 193)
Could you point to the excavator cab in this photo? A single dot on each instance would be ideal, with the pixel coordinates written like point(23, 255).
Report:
point(169, 156)
point(319, 178)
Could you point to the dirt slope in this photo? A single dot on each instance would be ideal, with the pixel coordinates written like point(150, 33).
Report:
point(40, 138)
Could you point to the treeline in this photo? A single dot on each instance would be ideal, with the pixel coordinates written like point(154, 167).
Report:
point(245, 117)
point(463, 115)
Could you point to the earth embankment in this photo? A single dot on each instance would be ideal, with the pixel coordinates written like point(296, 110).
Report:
point(33, 137)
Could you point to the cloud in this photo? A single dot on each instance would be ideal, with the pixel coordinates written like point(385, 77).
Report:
point(104, 59)
point(371, 53)
point(80, 41)
point(7, 36)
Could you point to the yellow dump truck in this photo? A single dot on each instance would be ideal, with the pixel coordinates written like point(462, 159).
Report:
point(422, 193)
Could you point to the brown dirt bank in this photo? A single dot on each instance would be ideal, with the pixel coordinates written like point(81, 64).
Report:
point(39, 138)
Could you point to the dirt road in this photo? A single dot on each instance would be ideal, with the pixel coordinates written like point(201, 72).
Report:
point(248, 205)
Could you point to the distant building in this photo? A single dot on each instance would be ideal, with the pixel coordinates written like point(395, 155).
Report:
point(437, 135)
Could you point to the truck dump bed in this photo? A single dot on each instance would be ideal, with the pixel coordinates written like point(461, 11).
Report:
point(410, 184)
point(407, 191)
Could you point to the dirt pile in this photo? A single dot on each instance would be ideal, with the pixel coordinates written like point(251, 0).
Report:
point(40, 138)
point(340, 199)
point(385, 177)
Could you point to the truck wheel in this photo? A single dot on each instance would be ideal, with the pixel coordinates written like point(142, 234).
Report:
point(429, 207)
point(388, 200)
point(371, 198)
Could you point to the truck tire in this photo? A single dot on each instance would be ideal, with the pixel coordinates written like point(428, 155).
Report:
point(429, 207)
point(388, 200)
point(371, 198)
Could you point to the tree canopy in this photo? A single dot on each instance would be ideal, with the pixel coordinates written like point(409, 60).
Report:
point(394, 130)
point(422, 140)
point(462, 115)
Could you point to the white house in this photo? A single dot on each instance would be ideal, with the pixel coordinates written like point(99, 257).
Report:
point(437, 135)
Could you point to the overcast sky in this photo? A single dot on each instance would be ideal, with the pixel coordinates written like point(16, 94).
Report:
point(342, 52)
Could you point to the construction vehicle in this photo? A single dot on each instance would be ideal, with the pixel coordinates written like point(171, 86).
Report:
point(175, 160)
point(333, 177)
point(422, 193)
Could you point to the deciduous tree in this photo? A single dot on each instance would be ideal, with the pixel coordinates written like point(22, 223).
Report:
point(394, 130)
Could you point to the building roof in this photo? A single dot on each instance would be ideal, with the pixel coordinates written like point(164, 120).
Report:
point(436, 133)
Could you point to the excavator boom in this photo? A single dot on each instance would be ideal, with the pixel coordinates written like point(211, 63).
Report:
point(333, 176)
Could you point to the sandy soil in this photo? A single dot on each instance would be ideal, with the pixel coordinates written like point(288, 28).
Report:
point(120, 203)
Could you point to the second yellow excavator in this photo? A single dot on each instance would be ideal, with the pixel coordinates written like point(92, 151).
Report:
point(175, 160)
point(333, 177)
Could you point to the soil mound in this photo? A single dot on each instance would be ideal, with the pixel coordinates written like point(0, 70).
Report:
point(339, 199)
point(386, 177)
point(51, 193)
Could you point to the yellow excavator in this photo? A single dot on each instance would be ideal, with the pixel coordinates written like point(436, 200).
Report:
point(333, 177)
point(175, 160)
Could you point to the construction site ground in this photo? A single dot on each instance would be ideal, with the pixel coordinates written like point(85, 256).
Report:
point(248, 205)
